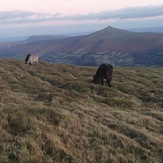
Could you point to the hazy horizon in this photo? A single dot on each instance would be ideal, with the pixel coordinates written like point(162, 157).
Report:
point(62, 17)
point(156, 29)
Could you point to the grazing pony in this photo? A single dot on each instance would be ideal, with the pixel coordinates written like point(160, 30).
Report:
point(104, 71)
point(32, 59)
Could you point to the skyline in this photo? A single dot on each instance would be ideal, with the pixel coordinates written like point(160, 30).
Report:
point(69, 7)
point(36, 17)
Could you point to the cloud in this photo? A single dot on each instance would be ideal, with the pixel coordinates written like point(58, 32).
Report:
point(125, 13)
point(136, 12)
point(23, 17)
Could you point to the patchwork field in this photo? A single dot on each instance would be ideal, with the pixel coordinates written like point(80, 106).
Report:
point(54, 113)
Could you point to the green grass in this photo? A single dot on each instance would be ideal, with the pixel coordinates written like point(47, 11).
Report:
point(54, 113)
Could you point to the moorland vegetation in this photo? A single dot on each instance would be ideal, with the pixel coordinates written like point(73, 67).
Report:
point(54, 113)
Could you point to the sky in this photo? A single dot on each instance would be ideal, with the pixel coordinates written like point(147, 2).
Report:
point(59, 17)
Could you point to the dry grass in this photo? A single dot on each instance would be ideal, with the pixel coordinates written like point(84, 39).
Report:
point(53, 113)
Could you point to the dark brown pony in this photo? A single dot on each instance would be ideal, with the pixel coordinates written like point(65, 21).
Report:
point(104, 71)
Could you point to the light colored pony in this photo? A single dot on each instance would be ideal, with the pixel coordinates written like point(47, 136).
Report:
point(32, 59)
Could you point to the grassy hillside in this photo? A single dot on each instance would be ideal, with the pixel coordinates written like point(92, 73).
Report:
point(53, 113)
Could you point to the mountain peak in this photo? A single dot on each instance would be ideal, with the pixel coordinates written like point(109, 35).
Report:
point(112, 29)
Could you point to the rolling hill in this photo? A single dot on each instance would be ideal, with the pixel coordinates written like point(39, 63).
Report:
point(54, 113)
point(116, 46)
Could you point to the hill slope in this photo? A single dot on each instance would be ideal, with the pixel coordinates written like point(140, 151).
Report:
point(116, 46)
point(53, 113)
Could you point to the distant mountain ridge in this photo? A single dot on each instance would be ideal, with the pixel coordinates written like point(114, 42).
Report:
point(43, 37)
point(158, 29)
point(116, 46)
